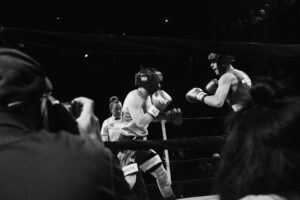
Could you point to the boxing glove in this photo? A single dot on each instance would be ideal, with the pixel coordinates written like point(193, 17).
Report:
point(160, 101)
point(212, 86)
point(174, 115)
point(195, 94)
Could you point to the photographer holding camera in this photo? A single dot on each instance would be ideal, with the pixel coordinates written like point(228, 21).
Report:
point(42, 156)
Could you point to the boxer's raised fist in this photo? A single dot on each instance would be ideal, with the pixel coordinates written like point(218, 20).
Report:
point(174, 115)
point(195, 94)
point(160, 101)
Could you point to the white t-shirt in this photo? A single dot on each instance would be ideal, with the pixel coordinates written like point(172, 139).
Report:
point(111, 129)
point(142, 104)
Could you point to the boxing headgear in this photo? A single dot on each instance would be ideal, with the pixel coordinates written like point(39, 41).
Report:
point(149, 78)
point(222, 60)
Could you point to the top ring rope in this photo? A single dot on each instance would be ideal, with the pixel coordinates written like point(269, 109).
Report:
point(140, 44)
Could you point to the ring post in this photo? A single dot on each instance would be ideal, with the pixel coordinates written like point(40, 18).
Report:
point(164, 133)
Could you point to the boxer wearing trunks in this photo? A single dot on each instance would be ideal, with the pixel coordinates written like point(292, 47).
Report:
point(141, 106)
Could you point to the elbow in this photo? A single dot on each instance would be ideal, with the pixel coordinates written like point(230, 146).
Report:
point(219, 104)
point(143, 121)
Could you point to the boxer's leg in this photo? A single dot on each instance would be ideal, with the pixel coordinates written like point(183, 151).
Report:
point(150, 162)
point(163, 182)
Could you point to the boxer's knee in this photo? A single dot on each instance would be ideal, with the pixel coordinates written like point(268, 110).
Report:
point(131, 180)
point(130, 172)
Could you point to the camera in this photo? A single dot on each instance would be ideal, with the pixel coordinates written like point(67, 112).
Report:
point(73, 108)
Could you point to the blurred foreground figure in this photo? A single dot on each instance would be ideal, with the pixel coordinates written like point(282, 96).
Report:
point(261, 157)
point(37, 163)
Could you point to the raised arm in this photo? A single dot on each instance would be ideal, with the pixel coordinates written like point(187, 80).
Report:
point(139, 117)
point(217, 100)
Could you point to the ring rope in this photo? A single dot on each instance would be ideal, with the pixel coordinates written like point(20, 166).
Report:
point(139, 44)
point(191, 160)
point(191, 181)
point(203, 142)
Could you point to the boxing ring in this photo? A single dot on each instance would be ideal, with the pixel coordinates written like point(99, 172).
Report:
point(114, 44)
point(168, 167)
point(165, 145)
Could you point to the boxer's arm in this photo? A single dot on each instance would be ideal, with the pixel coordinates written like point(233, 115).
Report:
point(218, 99)
point(140, 118)
point(104, 131)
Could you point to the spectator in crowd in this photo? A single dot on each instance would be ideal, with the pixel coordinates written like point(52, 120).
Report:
point(38, 164)
point(261, 156)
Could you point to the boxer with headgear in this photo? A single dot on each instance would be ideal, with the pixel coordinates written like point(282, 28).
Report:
point(141, 106)
point(110, 132)
point(42, 161)
point(232, 85)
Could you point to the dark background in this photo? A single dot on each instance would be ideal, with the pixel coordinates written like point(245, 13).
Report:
point(103, 74)
point(106, 73)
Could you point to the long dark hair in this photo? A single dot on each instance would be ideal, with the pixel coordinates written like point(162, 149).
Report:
point(262, 150)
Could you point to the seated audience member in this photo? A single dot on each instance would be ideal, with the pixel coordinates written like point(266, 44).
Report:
point(38, 164)
point(261, 156)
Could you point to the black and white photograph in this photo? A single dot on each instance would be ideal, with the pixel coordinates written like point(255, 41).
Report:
point(150, 100)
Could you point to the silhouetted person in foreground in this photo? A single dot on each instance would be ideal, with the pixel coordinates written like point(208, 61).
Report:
point(261, 156)
point(39, 164)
